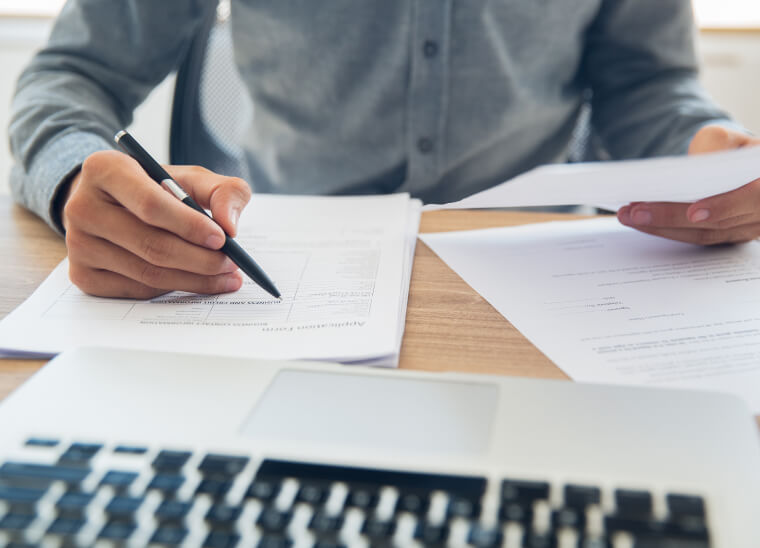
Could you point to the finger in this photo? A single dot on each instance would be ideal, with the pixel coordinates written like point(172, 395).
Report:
point(727, 209)
point(154, 245)
point(102, 283)
point(713, 138)
point(121, 178)
point(706, 236)
point(98, 254)
point(224, 196)
point(676, 215)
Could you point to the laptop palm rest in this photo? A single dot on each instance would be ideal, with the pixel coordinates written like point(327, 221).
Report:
point(375, 412)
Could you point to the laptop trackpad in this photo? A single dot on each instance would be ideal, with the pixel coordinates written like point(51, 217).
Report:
point(376, 412)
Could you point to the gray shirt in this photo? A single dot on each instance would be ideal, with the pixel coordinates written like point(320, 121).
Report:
point(440, 98)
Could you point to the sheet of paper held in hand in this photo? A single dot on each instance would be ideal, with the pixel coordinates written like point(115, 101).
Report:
point(609, 304)
point(611, 185)
point(342, 264)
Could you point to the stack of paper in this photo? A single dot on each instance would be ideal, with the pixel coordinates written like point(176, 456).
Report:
point(343, 265)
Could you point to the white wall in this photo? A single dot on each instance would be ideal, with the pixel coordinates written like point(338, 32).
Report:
point(731, 72)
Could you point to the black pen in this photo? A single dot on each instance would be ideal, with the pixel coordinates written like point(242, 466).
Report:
point(230, 248)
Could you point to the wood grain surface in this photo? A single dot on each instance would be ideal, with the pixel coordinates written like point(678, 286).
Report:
point(449, 327)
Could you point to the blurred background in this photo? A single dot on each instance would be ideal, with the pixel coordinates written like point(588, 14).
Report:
point(728, 41)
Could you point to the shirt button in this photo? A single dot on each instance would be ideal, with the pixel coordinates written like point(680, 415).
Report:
point(425, 145)
point(429, 48)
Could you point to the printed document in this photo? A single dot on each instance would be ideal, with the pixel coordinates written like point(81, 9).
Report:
point(343, 265)
point(611, 185)
point(609, 304)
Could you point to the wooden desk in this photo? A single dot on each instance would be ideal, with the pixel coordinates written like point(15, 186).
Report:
point(449, 327)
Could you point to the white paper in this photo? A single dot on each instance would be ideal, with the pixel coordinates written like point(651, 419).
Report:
point(342, 264)
point(609, 304)
point(611, 185)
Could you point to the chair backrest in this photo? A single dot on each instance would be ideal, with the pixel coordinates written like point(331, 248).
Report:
point(211, 108)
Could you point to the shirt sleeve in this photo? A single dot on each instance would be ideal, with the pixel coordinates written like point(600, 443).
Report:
point(101, 61)
point(641, 64)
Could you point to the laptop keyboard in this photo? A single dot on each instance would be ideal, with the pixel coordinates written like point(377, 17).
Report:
point(85, 494)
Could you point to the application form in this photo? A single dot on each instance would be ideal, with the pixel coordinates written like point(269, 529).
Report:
point(609, 304)
point(343, 266)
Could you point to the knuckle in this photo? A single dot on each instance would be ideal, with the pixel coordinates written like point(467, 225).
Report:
point(148, 205)
point(155, 249)
point(98, 164)
point(710, 237)
point(240, 186)
point(75, 243)
point(151, 275)
point(82, 277)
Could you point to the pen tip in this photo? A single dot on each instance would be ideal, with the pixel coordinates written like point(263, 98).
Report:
point(119, 135)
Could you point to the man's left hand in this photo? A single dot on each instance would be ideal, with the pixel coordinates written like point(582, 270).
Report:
point(731, 217)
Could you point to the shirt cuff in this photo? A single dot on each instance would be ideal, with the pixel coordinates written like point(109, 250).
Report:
point(52, 168)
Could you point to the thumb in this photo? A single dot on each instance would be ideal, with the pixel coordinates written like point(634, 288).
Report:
point(716, 138)
point(227, 202)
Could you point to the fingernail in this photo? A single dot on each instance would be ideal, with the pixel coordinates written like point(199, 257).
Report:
point(234, 216)
point(215, 241)
point(700, 215)
point(232, 283)
point(641, 217)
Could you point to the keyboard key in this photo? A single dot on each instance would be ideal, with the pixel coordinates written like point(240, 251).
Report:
point(470, 486)
point(73, 505)
point(414, 503)
point(462, 508)
point(329, 544)
point(169, 535)
point(221, 539)
point(272, 521)
point(40, 475)
point(524, 491)
point(117, 530)
point(480, 537)
point(214, 488)
point(168, 484)
point(172, 511)
point(170, 461)
point(130, 449)
point(569, 517)
point(21, 500)
point(324, 526)
point(431, 535)
point(222, 466)
point(263, 490)
point(580, 496)
point(274, 541)
point(16, 522)
point(123, 508)
point(118, 479)
point(633, 504)
point(223, 515)
point(516, 512)
point(362, 497)
point(540, 540)
point(685, 505)
point(80, 453)
point(67, 527)
point(377, 531)
point(41, 442)
point(313, 494)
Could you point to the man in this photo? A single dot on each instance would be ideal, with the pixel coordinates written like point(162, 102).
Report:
point(440, 99)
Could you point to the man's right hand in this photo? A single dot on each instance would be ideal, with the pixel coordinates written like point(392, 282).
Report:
point(128, 237)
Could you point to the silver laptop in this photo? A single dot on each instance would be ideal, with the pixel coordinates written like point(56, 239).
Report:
point(122, 448)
